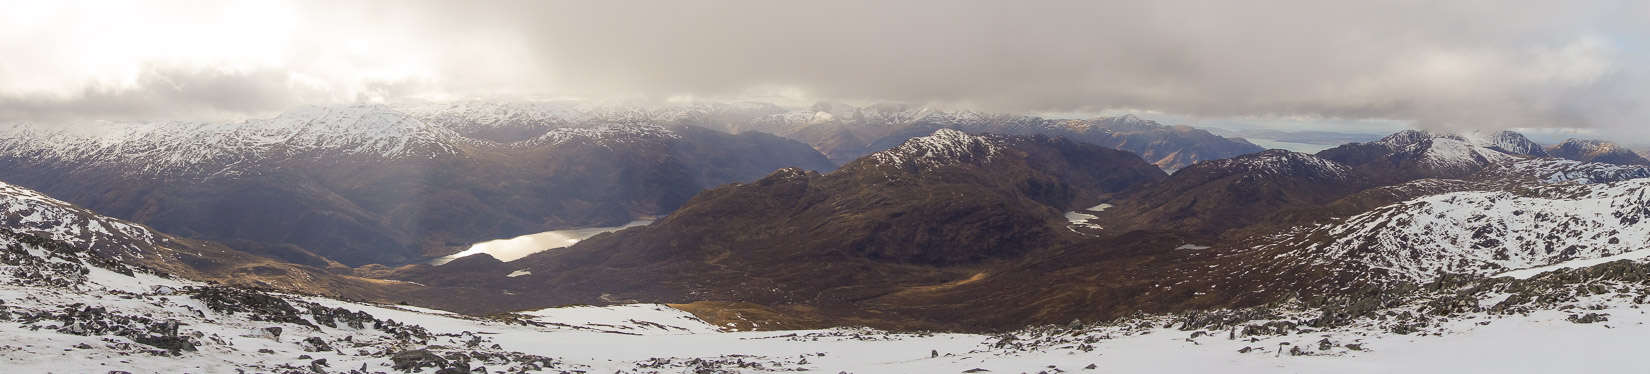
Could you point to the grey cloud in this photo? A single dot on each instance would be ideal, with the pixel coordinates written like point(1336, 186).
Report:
point(165, 93)
point(1493, 64)
point(159, 94)
point(1442, 64)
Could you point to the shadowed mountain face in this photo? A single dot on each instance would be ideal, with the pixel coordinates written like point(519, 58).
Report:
point(370, 184)
point(117, 244)
point(919, 213)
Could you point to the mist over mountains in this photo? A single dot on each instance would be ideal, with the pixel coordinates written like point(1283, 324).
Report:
point(937, 221)
point(852, 186)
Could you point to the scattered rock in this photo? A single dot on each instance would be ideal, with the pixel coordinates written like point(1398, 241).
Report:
point(1589, 318)
point(315, 344)
point(414, 360)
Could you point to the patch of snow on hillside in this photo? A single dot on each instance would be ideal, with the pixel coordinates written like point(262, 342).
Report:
point(515, 248)
point(1281, 162)
point(206, 148)
point(1573, 264)
point(27, 211)
point(1552, 170)
point(1492, 232)
point(944, 147)
point(108, 321)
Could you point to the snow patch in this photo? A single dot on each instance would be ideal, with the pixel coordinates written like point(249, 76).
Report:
point(1486, 233)
point(521, 246)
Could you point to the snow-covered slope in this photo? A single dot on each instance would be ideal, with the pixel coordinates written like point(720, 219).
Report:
point(68, 314)
point(1505, 141)
point(1281, 163)
point(157, 148)
point(612, 133)
point(1447, 152)
point(27, 211)
point(944, 147)
point(1486, 232)
point(1597, 151)
point(1553, 170)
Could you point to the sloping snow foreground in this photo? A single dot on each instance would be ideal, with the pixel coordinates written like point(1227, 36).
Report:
point(81, 318)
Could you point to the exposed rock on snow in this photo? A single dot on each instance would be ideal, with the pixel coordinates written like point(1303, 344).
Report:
point(1479, 232)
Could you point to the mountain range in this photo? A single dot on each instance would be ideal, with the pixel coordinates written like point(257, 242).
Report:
point(380, 184)
point(365, 184)
point(1219, 234)
point(941, 230)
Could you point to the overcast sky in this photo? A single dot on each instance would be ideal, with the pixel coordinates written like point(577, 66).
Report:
point(1457, 64)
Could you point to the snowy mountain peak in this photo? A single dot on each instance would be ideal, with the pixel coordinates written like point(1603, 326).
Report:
point(1407, 138)
point(496, 113)
point(943, 147)
point(1597, 151)
point(609, 132)
point(211, 148)
point(1128, 123)
point(1452, 152)
point(352, 128)
point(1588, 145)
point(1505, 141)
point(1282, 162)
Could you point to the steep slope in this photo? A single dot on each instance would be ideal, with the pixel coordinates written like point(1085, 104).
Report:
point(929, 211)
point(1481, 232)
point(363, 184)
point(1597, 151)
point(25, 212)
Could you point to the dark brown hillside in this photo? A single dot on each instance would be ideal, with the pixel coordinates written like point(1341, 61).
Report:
point(895, 239)
point(936, 209)
point(1212, 197)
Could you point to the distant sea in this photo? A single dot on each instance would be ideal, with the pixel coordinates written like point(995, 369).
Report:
point(1297, 147)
